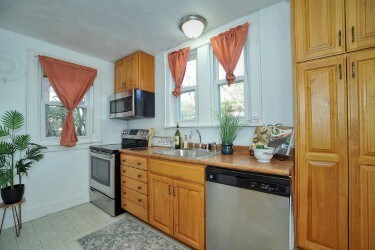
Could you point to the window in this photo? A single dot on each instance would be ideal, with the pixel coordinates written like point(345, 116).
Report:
point(233, 95)
point(204, 88)
point(187, 99)
point(53, 113)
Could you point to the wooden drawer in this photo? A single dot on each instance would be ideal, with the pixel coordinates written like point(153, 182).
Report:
point(134, 173)
point(134, 161)
point(138, 186)
point(179, 170)
point(137, 198)
point(134, 209)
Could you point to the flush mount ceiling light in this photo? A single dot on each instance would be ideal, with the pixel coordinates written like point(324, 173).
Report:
point(192, 25)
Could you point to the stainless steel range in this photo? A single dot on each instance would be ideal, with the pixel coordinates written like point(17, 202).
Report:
point(105, 188)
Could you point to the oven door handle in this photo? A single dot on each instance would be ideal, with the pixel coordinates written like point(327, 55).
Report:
point(102, 155)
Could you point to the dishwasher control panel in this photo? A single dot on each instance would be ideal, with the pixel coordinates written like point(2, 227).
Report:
point(277, 185)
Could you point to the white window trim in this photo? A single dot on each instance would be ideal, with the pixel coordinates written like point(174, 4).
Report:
point(205, 60)
point(34, 102)
point(186, 89)
point(243, 78)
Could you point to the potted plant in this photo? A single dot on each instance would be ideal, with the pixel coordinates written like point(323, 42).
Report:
point(229, 126)
point(17, 155)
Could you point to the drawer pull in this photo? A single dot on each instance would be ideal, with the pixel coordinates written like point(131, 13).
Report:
point(139, 187)
point(139, 200)
point(174, 191)
point(139, 176)
point(124, 205)
point(124, 171)
point(169, 189)
point(124, 193)
point(123, 182)
point(139, 164)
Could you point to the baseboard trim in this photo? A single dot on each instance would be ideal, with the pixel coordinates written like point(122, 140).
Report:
point(36, 212)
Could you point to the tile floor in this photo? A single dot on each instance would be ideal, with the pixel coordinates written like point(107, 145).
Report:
point(58, 230)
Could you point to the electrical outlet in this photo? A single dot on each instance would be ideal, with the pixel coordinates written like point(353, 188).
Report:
point(161, 141)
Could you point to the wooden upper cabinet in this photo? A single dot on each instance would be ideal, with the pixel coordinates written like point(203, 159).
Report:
point(119, 76)
point(322, 168)
point(161, 203)
point(319, 28)
point(360, 24)
point(361, 77)
point(189, 213)
point(135, 71)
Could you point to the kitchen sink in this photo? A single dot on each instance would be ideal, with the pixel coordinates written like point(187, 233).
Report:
point(194, 154)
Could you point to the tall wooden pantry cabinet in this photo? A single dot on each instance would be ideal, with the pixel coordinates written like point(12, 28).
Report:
point(334, 54)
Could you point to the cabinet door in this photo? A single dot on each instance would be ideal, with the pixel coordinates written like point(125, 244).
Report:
point(131, 71)
point(161, 203)
point(361, 67)
point(119, 77)
point(189, 213)
point(318, 28)
point(322, 168)
point(360, 26)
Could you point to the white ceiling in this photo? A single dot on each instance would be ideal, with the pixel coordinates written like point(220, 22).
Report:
point(112, 29)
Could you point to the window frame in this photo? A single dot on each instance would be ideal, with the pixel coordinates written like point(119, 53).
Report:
point(87, 105)
point(217, 83)
point(187, 89)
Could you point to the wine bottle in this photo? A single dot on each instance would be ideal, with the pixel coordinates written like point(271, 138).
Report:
point(177, 138)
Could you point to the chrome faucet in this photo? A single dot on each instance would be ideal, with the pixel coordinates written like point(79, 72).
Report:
point(200, 138)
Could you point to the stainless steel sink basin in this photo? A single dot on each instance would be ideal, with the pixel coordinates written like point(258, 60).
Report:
point(194, 154)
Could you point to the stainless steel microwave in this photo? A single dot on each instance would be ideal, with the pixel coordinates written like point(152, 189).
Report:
point(132, 104)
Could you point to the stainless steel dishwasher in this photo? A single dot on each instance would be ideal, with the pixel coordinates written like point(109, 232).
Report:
point(246, 210)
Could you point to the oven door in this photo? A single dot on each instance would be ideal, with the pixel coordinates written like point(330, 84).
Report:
point(125, 104)
point(102, 173)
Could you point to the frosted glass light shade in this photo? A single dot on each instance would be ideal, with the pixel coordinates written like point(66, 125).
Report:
point(192, 26)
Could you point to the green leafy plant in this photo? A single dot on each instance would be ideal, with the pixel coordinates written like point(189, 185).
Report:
point(260, 146)
point(230, 125)
point(17, 152)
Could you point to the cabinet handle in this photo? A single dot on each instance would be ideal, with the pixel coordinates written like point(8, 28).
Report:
point(139, 200)
point(340, 38)
point(174, 191)
point(123, 85)
point(353, 34)
point(124, 193)
point(139, 164)
point(124, 160)
point(340, 71)
point(139, 187)
point(353, 69)
point(169, 189)
point(139, 176)
point(124, 171)
point(124, 182)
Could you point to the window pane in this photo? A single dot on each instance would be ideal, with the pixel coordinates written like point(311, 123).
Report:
point(49, 94)
point(190, 78)
point(233, 96)
point(187, 105)
point(55, 116)
point(239, 71)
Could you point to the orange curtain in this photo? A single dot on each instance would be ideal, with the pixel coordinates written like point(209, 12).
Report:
point(70, 82)
point(177, 64)
point(228, 47)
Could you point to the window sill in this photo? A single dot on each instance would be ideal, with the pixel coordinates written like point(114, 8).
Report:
point(54, 146)
point(208, 125)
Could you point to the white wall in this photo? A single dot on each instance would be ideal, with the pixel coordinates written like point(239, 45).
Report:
point(276, 79)
point(61, 180)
